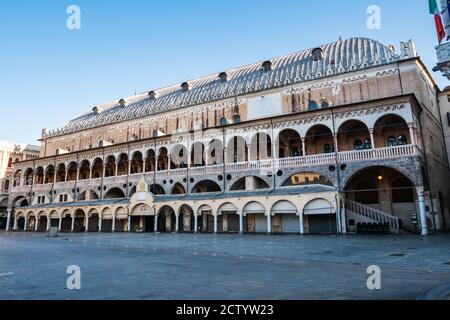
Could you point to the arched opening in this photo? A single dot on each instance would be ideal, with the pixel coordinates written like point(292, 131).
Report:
point(285, 218)
point(49, 174)
point(97, 169)
point(163, 159)
point(306, 179)
point(17, 178)
point(249, 183)
point(54, 219)
point(198, 155)
point(110, 170)
point(107, 220)
point(186, 217)
point(61, 173)
point(256, 217)
point(206, 186)
point(29, 176)
point(137, 163)
point(80, 221)
point(390, 131)
point(85, 170)
point(215, 153)
point(6, 185)
point(114, 193)
point(157, 190)
point(10, 162)
point(320, 217)
point(66, 223)
point(72, 172)
point(94, 219)
point(260, 147)
point(313, 106)
point(319, 140)
point(387, 190)
point(166, 219)
point(122, 165)
point(178, 189)
point(354, 135)
point(39, 175)
point(179, 157)
point(237, 150)
point(42, 223)
point(228, 218)
point(205, 219)
point(289, 144)
point(20, 202)
point(150, 161)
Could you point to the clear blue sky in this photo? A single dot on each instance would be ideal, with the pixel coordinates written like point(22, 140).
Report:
point(50, 74)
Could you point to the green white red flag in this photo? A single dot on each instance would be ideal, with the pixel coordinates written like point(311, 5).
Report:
point(434, 10)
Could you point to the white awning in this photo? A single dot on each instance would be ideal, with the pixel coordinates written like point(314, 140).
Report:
point(319, 206)
point(284, 207)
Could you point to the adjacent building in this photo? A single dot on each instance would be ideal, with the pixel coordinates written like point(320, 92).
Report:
point(342, 138)
point(10, 153)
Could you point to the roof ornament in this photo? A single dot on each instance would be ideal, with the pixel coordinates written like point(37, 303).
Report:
point(408, 49)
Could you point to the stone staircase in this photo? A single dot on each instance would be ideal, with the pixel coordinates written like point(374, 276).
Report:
point(374, 215)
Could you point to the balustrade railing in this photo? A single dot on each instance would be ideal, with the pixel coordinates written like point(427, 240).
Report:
point(267, 164)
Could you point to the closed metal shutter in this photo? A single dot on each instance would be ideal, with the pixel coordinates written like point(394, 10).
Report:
point(291, 223)
point(261, 223)
point(233, 223)
point(322, 224)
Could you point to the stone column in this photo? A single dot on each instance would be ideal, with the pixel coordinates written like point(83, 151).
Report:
point(412, 133)
point(49, 223)
point(114, 224)
point(60, 224)
point(372, 138)
point(100, 220)
point(177, 223)
point(90, 172)
point(302, 224)
point(104, 171)
point(216, 229)
point(36, 224)
point(195, 223)
point(15, 222)
point(155, 224)
point(336, 143)
point(117, 170)
point(72, 228)
point(423, 216)
point(87, 223)
point(241, 222)
point(26, 223)
point(269, 223)
point(66, 175)
point(304, 146)
point(129, 224)
point(78, 174)
point(8, 219)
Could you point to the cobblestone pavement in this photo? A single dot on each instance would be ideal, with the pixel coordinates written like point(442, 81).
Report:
point(186, 266)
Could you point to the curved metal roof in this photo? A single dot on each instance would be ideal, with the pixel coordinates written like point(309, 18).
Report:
point(339, 57)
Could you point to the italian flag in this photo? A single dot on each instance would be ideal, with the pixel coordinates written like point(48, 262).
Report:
point(434, 10)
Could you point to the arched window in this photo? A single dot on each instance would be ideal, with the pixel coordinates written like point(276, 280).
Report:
point(391, 141)
point(10, 162)
point(358, 144)
point(312, 106)
point(402, 140)
point(325, 104)
point(328, 149)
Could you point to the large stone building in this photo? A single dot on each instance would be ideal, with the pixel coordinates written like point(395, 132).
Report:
point(342, 138)
point(9, 153)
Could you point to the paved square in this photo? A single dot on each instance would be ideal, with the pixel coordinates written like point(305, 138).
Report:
point(186, 266)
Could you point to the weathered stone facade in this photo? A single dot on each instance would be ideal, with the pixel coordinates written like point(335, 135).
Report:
point(291, 137)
